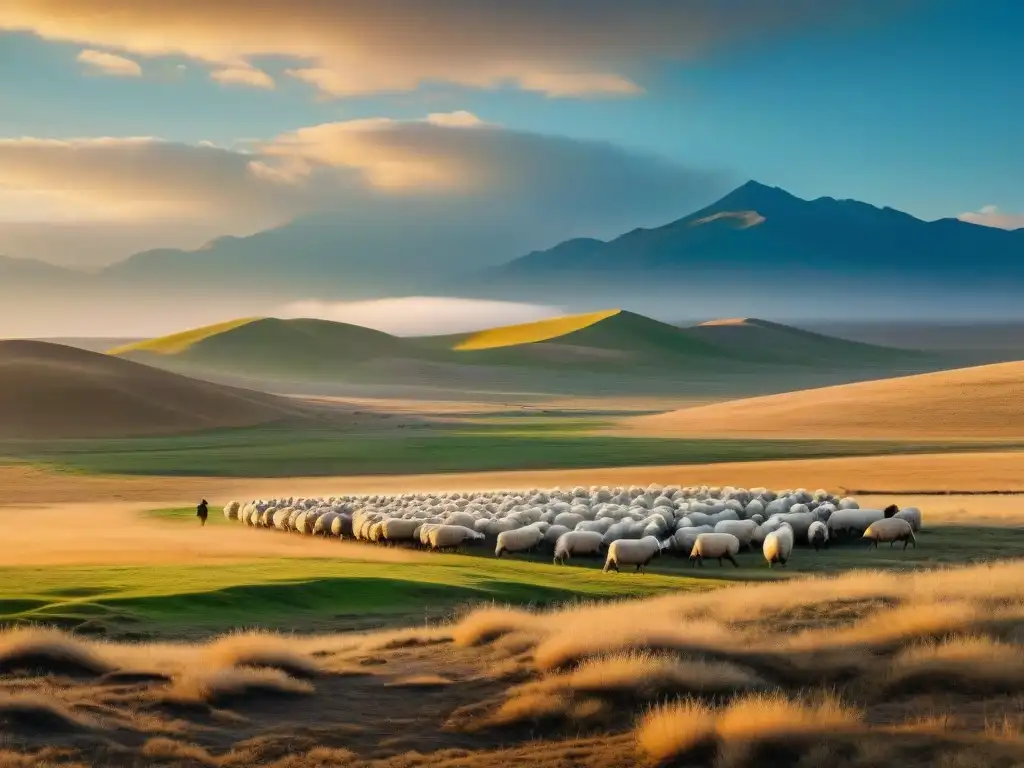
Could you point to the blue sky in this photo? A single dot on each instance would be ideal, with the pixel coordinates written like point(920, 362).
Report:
point(920, 108)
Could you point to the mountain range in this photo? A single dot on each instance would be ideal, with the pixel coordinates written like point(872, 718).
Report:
point(756, 244)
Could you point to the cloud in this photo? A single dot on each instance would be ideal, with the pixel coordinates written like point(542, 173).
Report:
point(249, 76)
point(446, 175)
point(991, 216)
point(422, 315)
point(109, 64)
point(564, 48)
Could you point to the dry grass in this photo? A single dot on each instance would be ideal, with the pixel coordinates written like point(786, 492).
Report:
point(977, 664)
point(31, 712)
point(161, 749)
point(222, 686)
point(488, 624)
point(260, 650)
point(686, 727)
point(530, 333)
point(984, 402)
point(648, 675)
point(48, 651)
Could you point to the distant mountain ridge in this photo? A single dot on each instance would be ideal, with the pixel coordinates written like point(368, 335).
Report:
point(764, 233)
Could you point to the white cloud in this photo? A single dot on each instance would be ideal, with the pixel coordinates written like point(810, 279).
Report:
point(248, 76)
point(109, 64)
point(991, 216)
point(421, 315)
point(564, 48)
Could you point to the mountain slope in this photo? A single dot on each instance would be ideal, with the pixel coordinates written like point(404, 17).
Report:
point(49, 391)
point(298, 349)
point(980, 402)
point(764, 235)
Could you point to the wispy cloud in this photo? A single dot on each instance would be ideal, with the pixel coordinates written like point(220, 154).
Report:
point(991, 216)
point(563, 48)
point(421, 315)
point(109, 64)
point(248, 76)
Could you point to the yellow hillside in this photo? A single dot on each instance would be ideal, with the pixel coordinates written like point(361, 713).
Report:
point(984, 402)
point(180, 342)
point(529, 333)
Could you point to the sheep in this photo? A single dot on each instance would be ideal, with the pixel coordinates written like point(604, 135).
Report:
point(519, 540)
point(912, 515)
point(715, 546)
point(855, 520)
point(341, 526)
point(577, 543)
point(778, 545)
point(891, 529)
point(682, 541)
point(817, 535)
point(629, 552)
point(451, 536)
point(890, 511)
point(397, 529)
point(322, 526)
point(741, 529)
point(231, 510)
point(552, 534)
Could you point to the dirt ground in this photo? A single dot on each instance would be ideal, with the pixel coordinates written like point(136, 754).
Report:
point(26, 486)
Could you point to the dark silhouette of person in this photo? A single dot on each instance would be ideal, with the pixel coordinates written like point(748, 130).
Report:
point(202, 512)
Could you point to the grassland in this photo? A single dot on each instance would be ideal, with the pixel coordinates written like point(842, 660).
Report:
point(983, 402)
point(176, 343)
point(532, 444)
point(530, 333)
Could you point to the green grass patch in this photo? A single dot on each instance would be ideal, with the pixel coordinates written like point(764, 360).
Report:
point(285, 452)
point(295, 594)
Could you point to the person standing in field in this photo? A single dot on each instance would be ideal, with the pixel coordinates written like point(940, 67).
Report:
point(202, 512)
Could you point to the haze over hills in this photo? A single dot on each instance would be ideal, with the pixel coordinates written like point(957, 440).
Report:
point(979, 402)
point(615, 350)
point(758, 250)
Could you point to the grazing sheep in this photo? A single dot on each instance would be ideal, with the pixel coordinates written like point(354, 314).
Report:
point(891, 529)
point(322, 526)
point(341, 526)
point(852, 520)
point(778, 545)
point(638, 552)
point(577, 543)
point(912, 515)
point(817, 535)
point(890, 511)
point(716, 546)
point(520, 540)
point(231, 510)
point(395, 529)
point(451, 536)
point(741, 529)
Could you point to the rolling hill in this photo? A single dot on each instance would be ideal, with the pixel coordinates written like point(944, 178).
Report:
point(984, 402)
point(611, 352)
point(49, 391)
point(269, 346)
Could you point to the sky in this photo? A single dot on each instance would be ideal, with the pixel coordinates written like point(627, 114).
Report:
point(127, 125)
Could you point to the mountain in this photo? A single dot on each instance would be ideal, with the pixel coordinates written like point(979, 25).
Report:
point(49, 391)
point(984, 402)
point(760, 237)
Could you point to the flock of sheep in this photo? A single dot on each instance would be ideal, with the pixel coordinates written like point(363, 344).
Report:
point(628, 526)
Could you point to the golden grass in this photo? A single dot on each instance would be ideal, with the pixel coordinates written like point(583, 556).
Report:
point(676, 729)
point(176, 343)
point(530, 707)
point(488, 624)
point(530, 333)
point(218, 686)
point(168, 749)
point(645, 675)
point(965, 663)
point(983, 402)
point(49, 651)
point(255, 649)
point(32, 712)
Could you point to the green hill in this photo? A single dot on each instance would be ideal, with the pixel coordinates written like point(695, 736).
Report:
point(269, 346)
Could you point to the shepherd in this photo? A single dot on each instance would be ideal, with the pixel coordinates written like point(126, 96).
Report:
point(202, 512)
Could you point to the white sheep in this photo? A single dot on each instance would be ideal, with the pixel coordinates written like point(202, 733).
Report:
point(520, 540)
point(398, 529)
point(577, 543)
point(231, 510)
point(891, 529)
point(637, 552)
point(322, 526)
point(778, 545)
point(912, 515)
point(716, 546)
point(741, 529)
point(852, 520)
point(451, 536)
point(817, 535)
